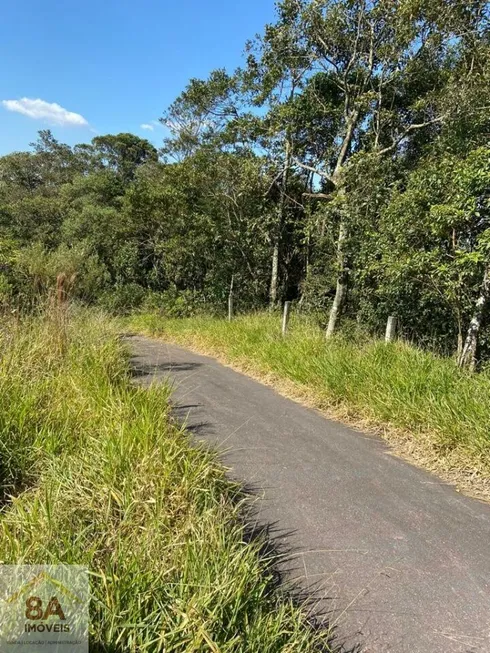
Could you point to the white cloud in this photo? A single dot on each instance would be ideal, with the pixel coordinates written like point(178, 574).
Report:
point(151, 124)
point(48, 111)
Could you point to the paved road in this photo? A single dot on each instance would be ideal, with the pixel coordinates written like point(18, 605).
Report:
point(399, 560)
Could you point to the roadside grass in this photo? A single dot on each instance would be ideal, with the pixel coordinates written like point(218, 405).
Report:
point(94, 472)
point(434, 414)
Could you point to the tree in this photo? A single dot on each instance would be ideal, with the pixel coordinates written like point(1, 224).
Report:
point(274, 75)
point(345, 166)
point(123, 154)
point(201, 114)
point(390, 63)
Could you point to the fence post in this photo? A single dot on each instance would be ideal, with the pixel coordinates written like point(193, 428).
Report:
point(391, 329)
point(230, 300)
point(285, 319)
point(230, 307)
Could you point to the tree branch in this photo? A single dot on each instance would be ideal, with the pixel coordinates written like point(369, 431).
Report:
point(407, 131)
point(320, 173)
point(320, 196)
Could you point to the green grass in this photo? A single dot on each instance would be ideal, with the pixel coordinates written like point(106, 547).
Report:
point(437, 414)
point(94, 473)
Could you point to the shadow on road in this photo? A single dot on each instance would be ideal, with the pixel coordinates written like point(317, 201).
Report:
point(272, 542)
point(142, 369)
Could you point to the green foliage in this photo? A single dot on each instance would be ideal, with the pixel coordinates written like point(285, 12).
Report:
point(432, 243)
point(122, 154)
point(174, 304)
point(122, 298)
point(35, 270)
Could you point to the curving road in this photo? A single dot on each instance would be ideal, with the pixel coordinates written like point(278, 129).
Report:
point(397, 560)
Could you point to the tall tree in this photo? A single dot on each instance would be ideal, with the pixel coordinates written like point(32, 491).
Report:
point(390, 62)
point(123, 153)
point(201, 115)
point(276, 66)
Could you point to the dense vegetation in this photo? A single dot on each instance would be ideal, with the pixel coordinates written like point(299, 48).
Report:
point(345, 166)
point(110, 483)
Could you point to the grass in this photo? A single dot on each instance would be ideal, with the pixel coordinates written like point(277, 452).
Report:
point(93, 472)
point(433, 413)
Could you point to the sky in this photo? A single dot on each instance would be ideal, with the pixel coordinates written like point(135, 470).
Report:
point(110, 66)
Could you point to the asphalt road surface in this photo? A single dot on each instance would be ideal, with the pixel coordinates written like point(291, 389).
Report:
point(396, 559)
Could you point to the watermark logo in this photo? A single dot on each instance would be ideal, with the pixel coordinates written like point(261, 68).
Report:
point(44, 608)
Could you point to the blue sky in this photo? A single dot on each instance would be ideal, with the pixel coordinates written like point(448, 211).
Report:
point(111, 65)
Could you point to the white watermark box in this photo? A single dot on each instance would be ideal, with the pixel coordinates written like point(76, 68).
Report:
point(44, 608)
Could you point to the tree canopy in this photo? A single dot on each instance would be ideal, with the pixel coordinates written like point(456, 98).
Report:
point(346, 166)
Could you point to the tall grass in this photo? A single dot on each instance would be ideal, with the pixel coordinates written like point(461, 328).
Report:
point(48, 389)
point(96, 474)
point(440, 414)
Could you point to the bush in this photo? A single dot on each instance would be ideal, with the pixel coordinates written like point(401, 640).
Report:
point(122, 299)
point(34, 271)
point(175, 304)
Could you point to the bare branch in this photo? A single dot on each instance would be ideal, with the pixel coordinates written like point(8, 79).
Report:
point(274, 181)
point(320, 196)
point(320, 173)
point(409, 130)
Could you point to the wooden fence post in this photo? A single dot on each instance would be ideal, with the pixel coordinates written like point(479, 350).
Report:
point(391, 329)
point(230, 301)
point(230, 307)
point(285, 319)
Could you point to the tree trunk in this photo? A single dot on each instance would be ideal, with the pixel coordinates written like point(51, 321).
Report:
point(274, 287)
point(342, 270)
point(460, 345)
point(468, 355)
point(341, 291)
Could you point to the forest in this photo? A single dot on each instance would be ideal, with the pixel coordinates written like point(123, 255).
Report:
point(345, 167)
